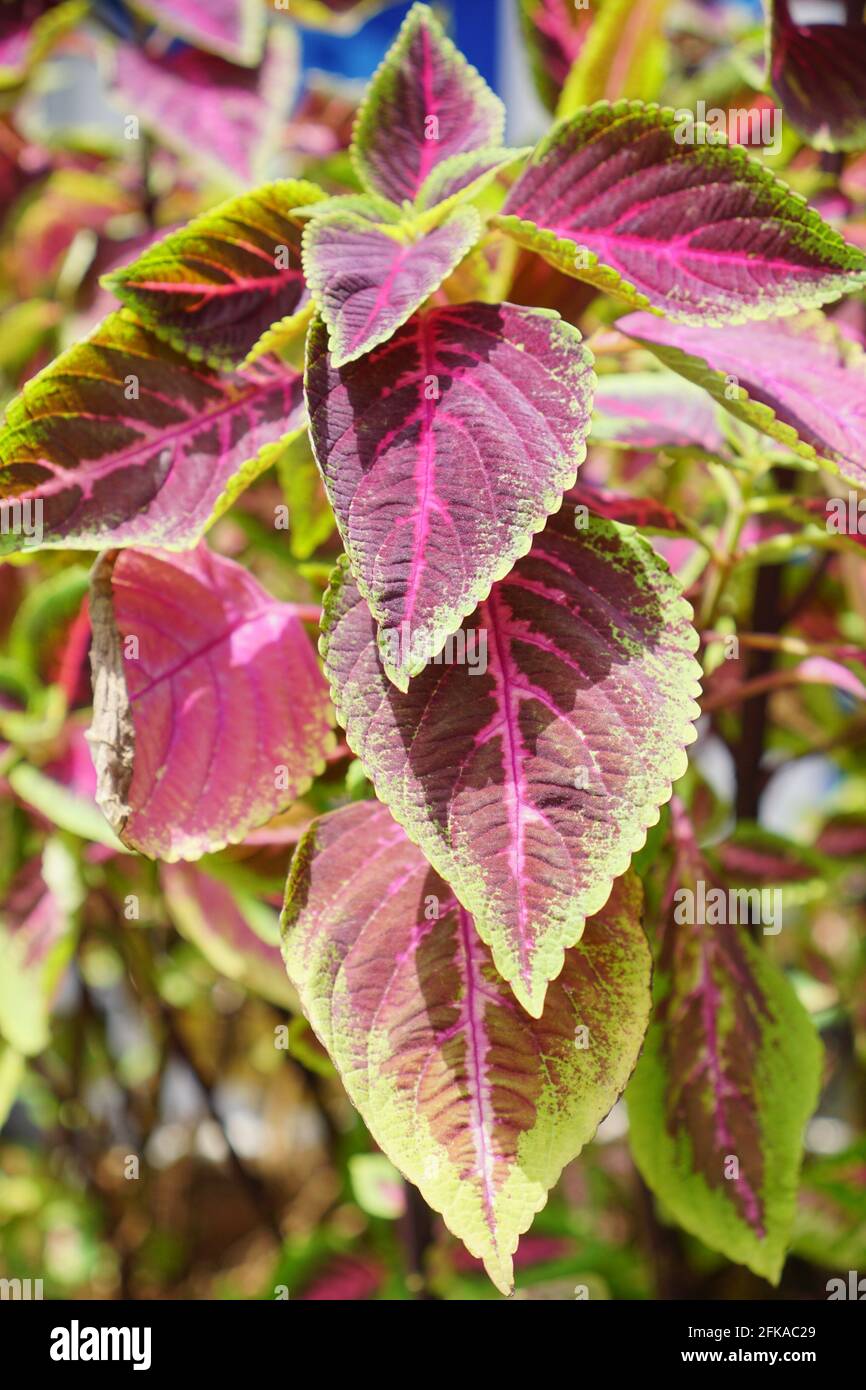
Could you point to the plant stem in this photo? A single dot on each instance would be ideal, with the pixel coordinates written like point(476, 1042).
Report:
point(417, 1229)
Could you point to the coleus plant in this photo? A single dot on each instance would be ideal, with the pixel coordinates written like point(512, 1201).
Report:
point(469, 944)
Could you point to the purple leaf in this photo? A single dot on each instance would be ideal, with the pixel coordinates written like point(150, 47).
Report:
point(222, 116)
point(475, 1102)
point(653, 410)
point(555, 32)
point(210, 713)
point(424, 105)
point(728, 1076)
point(529, 762)
point(29, 29)
point(644, 512)
point(754, 855)
point(122, 441)
point(235, 29)
point(702, 232)
point(443, 452)
point(799, 380)
point(36, 940)
point(216, 288)
point(817, 71)
point(367, 281)
point(210, 915)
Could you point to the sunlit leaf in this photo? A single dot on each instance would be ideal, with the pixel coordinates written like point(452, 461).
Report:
point(529, 763)
point(123, 441)
point(214, 289)
point(424, 105)
point(702, 232)
point(443, 452)
point(475, 1102)
point(210, 713)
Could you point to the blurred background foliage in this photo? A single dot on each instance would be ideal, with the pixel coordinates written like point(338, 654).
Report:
point(170, 1126)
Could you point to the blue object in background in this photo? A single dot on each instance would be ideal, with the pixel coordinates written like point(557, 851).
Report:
point(473, 28)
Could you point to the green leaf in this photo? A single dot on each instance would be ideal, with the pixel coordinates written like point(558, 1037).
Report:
point(216, 288)
point(311, 520)
point(728, 1077)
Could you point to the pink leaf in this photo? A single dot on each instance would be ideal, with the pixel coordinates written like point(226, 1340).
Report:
point(424, 105)
point(654, 410)
point(232, 28)
point(474, 1101)
point(530, 760)
point(124, 441)
point(702, 232)
point(799, 380)
point(210, 915)
point(210, 713)
point(443, 452)
point(219, 114)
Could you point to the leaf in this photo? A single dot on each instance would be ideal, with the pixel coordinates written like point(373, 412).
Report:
point(29, 29)
point(555, 32)
point(464, 176)
point(442, 453)
point(376, 1186)
point(816, 71)
point(125, 442)
point(210, 714)
point(210, 915)
point(63, 806)
point(830, 1228)
point(24, 329)
point(367, 281)
point(36, 938)
point(798, 380)
point(475, 1102)
point(653, 410)
point(235, 29)
point(424, 105)
point(703, 232)
point(623, 56)
point(643, 512)
point(728, 1077)
point(216, 288)
point(227, 118)
point(368, 206)
point(47, 221)
point(311, 520)
point(530, 763)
